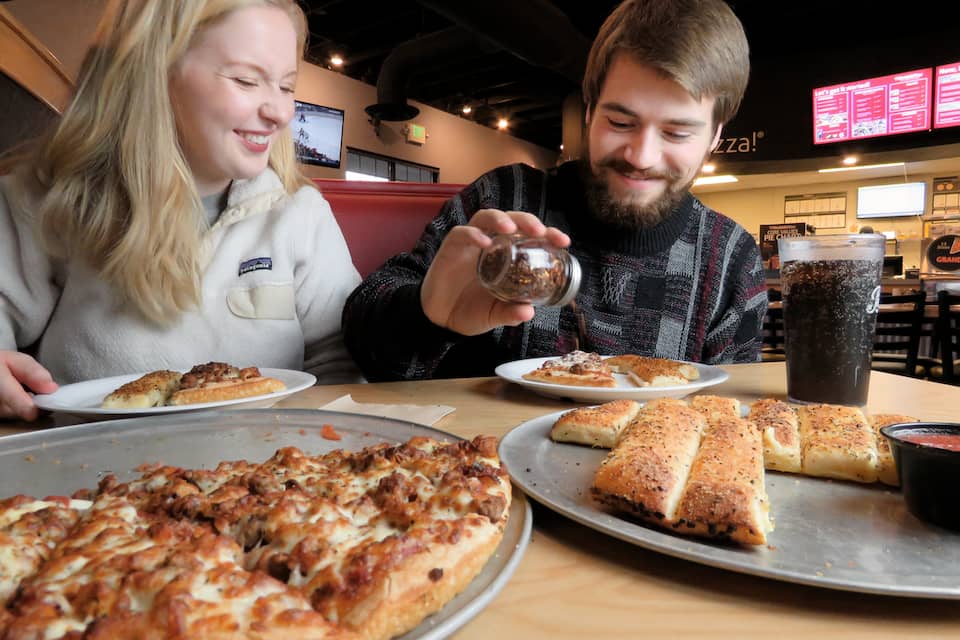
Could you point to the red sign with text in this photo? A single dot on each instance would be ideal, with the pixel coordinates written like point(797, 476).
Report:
point(946, 104)
point(898, 103)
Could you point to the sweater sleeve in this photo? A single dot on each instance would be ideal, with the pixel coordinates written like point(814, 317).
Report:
point(386, 330)
point(325, 276)
point(28, 292)
point(737, 336)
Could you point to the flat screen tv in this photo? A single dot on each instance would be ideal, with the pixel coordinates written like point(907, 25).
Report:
point(882, 106)
point(317, 134)
point(946, 101)
point(891, 200)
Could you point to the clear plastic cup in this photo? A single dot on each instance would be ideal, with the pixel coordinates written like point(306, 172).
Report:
point(831, 294)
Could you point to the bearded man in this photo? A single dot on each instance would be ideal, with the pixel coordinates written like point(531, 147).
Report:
point(662, 274)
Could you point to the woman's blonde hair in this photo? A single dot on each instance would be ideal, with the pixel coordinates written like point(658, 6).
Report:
point(114, 187)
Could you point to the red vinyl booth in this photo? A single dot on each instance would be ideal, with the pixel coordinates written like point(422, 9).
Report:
point(382, 219)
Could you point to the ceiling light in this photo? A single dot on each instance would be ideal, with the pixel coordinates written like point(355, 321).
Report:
point(466, 109)
point(503, 123)
point(866, 166)
point(714, 180)
point(561, 147)
point(708, 168)
point(850, 160)
point(336, 60)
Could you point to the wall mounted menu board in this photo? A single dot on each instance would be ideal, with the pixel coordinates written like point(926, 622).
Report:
point(820, 210)
point(946, 103)
point(883, 106)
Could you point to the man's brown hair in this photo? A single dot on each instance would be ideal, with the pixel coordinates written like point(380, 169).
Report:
point(699, 44)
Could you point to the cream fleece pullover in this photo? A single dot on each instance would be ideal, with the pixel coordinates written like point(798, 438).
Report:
point(277, 272)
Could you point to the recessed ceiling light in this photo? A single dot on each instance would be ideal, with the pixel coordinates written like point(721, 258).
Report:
point(850, 160)
point(866, 166)
point(467, 109)
point(336, 60)
point(503, 123)
point(708, 168)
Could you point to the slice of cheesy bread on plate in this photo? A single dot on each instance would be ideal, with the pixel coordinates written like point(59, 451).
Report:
point(778, 426)
point(724, 496)
point(653, 372)
point(837, 442)
point(886, 467)
point(646, 472)
point(599, 426)
point(219, 381)
point(716, 407)
point(150, 390)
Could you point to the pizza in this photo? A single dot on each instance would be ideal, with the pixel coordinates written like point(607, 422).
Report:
point(351, 545)
point(653, 372)
point(588, 369)
point(210, 382)
point(577, 368)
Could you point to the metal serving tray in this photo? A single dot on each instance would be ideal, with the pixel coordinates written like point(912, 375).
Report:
point(60, 461)
point(834, 534)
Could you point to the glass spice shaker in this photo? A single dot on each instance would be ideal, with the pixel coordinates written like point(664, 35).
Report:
point(516, 268)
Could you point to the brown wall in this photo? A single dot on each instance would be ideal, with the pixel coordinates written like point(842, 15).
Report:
point(461, 149)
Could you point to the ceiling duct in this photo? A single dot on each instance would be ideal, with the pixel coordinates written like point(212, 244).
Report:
point(533, 30)
point(414, 56)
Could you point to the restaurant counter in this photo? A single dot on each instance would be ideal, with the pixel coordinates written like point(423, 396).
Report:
point(576, 583)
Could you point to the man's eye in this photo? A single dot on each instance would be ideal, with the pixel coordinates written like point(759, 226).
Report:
point(617, 124)
point(244, 82)
point(287, 89)
point(677, 135)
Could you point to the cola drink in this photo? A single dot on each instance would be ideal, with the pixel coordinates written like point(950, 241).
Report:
point(830, 301)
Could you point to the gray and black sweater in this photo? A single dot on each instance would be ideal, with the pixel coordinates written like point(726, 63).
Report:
point(691, 288)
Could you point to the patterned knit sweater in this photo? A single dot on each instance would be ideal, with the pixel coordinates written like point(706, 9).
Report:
point(691, 288)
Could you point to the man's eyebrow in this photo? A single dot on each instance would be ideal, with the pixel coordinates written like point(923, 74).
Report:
point(679, 122)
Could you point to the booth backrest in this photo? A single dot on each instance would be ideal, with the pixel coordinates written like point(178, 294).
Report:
point(382, 219)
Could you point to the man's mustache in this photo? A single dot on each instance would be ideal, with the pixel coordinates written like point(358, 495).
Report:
point(622, 166)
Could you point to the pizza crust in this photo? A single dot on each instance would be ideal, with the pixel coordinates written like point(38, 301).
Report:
point(229, 390)
point(595, 426)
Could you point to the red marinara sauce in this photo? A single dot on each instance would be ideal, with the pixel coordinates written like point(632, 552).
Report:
point(948, 441)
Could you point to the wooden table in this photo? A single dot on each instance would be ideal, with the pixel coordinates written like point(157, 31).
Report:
point(576, 583)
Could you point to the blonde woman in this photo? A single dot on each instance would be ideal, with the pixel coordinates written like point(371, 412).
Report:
point(164, 221)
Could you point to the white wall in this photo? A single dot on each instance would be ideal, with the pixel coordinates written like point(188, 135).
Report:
point(754, 207)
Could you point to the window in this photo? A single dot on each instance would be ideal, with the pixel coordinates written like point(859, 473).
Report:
point(366, 164)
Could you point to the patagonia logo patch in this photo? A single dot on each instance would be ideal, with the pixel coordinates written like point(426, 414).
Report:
point(255, 264)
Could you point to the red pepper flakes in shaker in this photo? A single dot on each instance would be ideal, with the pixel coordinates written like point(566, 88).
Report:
point(516, 268)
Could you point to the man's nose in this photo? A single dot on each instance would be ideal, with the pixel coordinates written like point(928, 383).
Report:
point(643, 150)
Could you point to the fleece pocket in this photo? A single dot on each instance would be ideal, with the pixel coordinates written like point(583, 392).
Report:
point(263, 302)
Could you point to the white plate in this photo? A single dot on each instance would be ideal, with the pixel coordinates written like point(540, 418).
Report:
point(84, 398)
point(625, 390)
point(829, 533)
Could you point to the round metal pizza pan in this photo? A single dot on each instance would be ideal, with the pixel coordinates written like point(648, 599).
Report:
point(60, 461)
point(829, 533)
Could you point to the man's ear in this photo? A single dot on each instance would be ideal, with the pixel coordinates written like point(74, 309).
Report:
point(716, 138)
point(587, 112)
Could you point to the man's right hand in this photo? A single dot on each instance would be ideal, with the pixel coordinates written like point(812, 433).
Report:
point(452, 296)
point(16, 370)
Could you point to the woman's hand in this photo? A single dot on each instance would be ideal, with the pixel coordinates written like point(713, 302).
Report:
point(452, 296)
point(16, 371)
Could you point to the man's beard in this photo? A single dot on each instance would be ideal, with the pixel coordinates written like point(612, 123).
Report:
point(623, 212)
